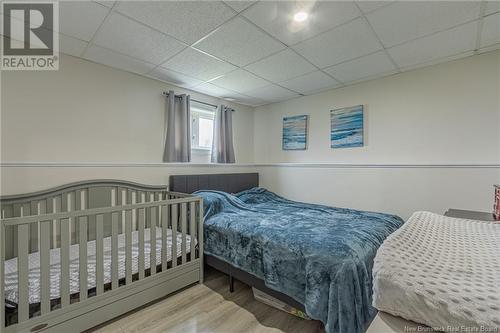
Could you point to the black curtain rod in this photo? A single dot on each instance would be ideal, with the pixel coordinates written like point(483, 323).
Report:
point(194, 100)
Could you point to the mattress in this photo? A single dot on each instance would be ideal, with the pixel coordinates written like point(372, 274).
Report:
point(11, 287)
point(386, 323)
point(442, 272)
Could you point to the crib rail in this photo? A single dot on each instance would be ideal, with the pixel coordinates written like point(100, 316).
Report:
point(138, 236)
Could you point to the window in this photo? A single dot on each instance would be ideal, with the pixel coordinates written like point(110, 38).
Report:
point(202, 127)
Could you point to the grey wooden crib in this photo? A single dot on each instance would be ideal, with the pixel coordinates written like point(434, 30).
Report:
point(75, 256)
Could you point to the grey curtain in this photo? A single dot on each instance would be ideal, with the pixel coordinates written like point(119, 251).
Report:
point(222, 144)
point(177, 138)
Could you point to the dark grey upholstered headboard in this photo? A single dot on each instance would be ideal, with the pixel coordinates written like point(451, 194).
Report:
point(227, 182)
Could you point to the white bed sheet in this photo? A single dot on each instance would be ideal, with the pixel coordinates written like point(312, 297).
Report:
point(442, 272)
point(11, 285)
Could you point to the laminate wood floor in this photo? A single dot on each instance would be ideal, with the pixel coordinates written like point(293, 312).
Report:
point(210, 308)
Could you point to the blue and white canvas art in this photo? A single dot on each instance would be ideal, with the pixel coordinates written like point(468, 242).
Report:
point(295, 133)
point(346, 129)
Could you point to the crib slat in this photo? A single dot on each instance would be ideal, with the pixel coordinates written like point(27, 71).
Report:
point(183, 230)
point(56, 207)
point(65, 242)
point(83, 257)
point(128, 247)
point(192, 228)
point(72, 222)
point(134, 211)
point(164, 237)
point(152, 238)
point(114, 250)
point(123, 203)
point(40, 208)
point(45, 266)
point(31, 208)
point(175, 219)
point(114, 192)
point(141, 218)
point(99, 249)
point(22, 272)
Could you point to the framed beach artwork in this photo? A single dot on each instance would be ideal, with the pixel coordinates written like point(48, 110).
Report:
point(346, 127)
point(295, 133)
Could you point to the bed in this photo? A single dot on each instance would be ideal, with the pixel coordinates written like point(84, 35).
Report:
point(80, 254)
point(441, 272)
point(319, 257)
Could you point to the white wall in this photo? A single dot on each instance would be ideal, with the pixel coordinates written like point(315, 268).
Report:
point(93, 113)
point(87, 112)
point(400, 191)
point(448, 113)
point(444, 114)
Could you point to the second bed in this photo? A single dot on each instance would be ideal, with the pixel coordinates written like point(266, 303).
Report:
point(321, 257)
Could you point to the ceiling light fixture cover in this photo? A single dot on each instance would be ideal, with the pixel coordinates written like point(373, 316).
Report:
point(300, 16)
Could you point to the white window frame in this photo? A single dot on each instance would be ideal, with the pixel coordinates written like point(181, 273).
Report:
point(198, 112)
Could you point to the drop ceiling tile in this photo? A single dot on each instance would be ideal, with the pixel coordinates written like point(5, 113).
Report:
point(281, 66)
point(106, 3)
point(126, 36)
point(240, 81)
point(434, 47)
point(198, 65)
point(247, 100)
point(71, 46)
point(407, 20)
point(239, 5)
point(370, 6)
point(367, 67)
point(185, 20)
point(173, 77)
point(210, 89)
point(276, 17)
point(349, 41)
point(113, 59)
point(441, 60)
point(81, 19)
point(239, 43)
point(492, 7)
point(272, 93)
point(235, 97)
point(311, 82)
point(491, 30)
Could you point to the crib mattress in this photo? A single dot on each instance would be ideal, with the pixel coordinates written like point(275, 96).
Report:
point(11, 285)
point(442, 272)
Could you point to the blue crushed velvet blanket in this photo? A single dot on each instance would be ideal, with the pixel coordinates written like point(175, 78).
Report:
point(320, 256)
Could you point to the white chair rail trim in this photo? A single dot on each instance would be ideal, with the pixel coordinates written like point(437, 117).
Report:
point(218, 165)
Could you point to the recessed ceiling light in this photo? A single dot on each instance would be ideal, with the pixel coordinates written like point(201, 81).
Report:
point(300, 16)
point(229, 99)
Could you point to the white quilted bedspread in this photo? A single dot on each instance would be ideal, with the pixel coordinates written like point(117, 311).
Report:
point(442, 272)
